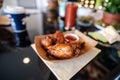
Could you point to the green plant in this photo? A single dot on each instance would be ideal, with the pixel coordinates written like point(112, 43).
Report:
point(112, 6)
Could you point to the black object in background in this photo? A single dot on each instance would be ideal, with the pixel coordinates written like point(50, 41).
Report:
point(6, 39)
point(22, 39)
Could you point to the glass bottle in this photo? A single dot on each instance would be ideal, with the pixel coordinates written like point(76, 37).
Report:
point(61, 19)
point(70, 16)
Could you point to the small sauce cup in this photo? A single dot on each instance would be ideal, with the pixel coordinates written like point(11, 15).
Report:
point(71, 37)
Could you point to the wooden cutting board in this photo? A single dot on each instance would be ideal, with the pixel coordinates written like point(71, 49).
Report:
point(66, 69)
point(89, 43)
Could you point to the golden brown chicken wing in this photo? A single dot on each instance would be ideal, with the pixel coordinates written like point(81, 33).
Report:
point(61, 51)
point(68, 50)
point(58, 37)
point(46, 42)
point(56, 46)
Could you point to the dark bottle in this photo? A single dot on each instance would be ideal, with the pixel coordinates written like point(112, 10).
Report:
point(22, 39)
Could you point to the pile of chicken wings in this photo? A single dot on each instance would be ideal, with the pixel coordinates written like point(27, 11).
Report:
point(60, 48)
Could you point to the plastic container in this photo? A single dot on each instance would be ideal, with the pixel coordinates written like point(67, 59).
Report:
point(17, 17)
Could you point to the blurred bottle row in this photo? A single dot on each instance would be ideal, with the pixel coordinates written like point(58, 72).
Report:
point(65, 12)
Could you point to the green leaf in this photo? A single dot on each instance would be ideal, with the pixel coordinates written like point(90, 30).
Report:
point(113, 6)
point(113, 10)
point(117, 2)
point(109, 4)
point(112, 1)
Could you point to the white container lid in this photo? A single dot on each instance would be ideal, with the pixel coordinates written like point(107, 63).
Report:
point(14, 9)
point(82, 11)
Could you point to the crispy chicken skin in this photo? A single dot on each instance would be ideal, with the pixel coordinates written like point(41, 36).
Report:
point(68, 50)
point(47, 42)
point(56, 46)
point(59, 37)
point(61, 51)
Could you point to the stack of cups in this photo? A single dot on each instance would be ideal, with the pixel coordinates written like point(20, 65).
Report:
point(17, 17)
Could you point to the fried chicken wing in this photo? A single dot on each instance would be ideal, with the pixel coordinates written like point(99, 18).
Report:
point(61, 51)
point(58, 47)
point(59, 37)
point(46, 42)
point(64, 51)
point(77, 46)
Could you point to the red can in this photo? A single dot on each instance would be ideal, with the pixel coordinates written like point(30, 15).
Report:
point(70, 17)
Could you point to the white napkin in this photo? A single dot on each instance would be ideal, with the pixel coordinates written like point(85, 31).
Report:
point(110, 34)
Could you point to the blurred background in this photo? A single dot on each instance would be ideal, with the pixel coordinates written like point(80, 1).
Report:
point(45, 17)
